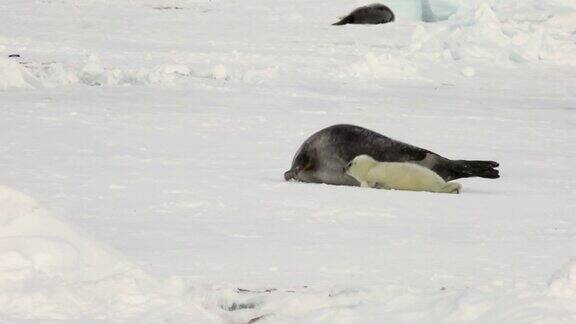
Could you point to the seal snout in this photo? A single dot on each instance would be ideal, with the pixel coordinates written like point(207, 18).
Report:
point(289, 175)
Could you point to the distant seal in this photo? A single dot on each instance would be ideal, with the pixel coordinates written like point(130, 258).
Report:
point(324, 155)
point(397, 175)
point(375, 13)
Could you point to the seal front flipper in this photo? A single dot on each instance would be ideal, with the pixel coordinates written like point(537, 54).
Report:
point(452, 187)
point(380, 185)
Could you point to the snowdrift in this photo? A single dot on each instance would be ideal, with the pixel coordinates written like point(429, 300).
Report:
point(460, 35)
point(50, 270)
point(114, 116)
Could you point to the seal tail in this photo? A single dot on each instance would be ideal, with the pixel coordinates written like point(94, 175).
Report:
point(343, 21)
point(467, 169)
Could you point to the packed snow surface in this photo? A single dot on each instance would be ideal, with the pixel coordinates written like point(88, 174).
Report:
point(143, 145)
point(49, 269)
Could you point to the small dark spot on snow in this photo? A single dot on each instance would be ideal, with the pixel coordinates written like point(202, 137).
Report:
point(168, 8)
point(14, 55)
point(255, 319)
point(238, 306)
point(243, 291)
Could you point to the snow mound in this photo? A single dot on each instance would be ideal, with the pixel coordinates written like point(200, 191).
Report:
point(505, 32)
point(50, 270)
point(93, 73)
point(563, 282)
point(12, 75)
point(385, 66)
point(497, 301)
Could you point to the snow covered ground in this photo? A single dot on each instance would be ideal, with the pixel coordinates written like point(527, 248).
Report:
point(143, 143)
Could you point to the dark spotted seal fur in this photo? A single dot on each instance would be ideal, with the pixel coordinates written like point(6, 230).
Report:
point(322, 158)
point(372, 14)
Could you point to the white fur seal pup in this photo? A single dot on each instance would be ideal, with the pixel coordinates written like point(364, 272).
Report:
point(375, 13)
point(323, 156)
point(397, 175)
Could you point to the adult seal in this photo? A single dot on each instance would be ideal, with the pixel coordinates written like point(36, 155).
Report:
point(323, 157)
point(372, 14)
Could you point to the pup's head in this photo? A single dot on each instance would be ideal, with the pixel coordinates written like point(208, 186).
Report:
point(359, 166)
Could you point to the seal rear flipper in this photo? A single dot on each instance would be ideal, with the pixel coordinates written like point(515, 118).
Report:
point(467, 169)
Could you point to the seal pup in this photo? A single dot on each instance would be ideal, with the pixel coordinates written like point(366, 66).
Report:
point(323, 156)
point(397, 175)
point(375, 13)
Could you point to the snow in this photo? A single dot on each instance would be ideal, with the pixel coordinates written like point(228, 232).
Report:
point(144, 143)
point(50, 270)
point(563, 283)
point(12, 75)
